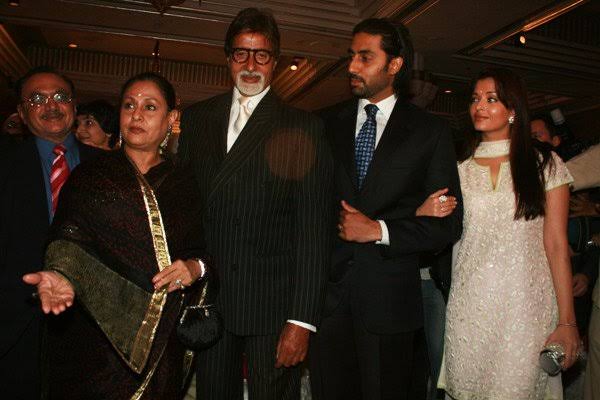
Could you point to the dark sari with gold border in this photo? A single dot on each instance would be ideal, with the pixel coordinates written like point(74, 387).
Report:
point(101, 348)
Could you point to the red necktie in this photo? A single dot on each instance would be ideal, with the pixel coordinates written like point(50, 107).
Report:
point(59, 173)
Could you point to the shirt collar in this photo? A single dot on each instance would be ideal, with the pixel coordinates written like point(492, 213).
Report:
point(386, 106)
point(45, 147)
point(254, 100)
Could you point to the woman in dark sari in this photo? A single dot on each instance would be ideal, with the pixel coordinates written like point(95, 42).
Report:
point(123, 257)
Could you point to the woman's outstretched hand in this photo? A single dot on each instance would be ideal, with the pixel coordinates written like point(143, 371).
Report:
point(438, 204)
point(55, 292)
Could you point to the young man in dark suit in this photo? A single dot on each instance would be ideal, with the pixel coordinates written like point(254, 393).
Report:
point(31, 175)
point(265, 172)
point(389, 156)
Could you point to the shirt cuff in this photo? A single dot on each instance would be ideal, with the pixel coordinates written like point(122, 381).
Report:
point(310, 327)
point(202, 267)
point(385, 234)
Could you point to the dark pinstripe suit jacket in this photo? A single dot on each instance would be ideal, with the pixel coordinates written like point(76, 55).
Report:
point(267, 211)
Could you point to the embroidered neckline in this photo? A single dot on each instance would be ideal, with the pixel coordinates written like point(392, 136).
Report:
point(493, 149)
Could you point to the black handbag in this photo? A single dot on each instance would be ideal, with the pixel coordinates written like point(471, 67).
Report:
point(201, 325)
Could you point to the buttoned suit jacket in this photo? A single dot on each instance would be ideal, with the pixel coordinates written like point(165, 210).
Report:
point(414, 157)
point(24, 223)
point(267, 213)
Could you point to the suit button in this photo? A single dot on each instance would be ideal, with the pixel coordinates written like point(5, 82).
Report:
point(234, 267)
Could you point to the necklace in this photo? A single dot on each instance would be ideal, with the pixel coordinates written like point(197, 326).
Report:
point(497, 148)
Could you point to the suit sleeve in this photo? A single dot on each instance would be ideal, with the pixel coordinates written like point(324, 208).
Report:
point(419, 234)
point(187, 129)
point(313, 216)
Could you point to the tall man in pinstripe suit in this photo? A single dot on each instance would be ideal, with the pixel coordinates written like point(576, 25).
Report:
point(265, 173)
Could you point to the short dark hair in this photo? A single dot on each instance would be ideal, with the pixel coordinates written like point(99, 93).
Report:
point(396, 42)
point(253, 20)
point(105, 114)
point(42, 69)
point(161, 82)
point(547, 120)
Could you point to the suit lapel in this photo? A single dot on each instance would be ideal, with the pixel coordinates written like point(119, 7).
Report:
point(394, 134)
point(33, 178)
point(258, 127)
point(345, 131)
point(220, 139)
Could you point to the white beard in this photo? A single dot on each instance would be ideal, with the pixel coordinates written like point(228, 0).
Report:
point(250, 89)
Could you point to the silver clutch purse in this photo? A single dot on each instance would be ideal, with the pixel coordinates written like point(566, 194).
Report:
point(551, 358)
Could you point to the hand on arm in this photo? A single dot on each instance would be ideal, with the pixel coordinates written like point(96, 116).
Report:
point(179, 275)
point(292, 345)
point(557, 253)
point(55, 292)
point(433, 206)
point(580, 284)
point(355, 226)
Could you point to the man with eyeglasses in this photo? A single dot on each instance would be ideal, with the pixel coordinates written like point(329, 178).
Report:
point(265, 172)
point(32, 173)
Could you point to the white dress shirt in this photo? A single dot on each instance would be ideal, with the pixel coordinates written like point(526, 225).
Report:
point(232, 136)
point(385, 108)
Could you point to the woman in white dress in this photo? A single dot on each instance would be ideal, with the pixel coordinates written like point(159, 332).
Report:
point(511, 288)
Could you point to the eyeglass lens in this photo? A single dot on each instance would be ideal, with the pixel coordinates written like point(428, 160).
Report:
point(38, 99)
point(261, 57)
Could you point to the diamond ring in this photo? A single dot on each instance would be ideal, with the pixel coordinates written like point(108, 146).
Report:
point(179, 283)
point(443, 198)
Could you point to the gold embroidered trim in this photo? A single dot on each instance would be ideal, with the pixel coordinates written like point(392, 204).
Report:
point(145, 336)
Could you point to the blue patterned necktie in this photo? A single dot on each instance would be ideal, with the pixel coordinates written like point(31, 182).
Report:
point(365, 143)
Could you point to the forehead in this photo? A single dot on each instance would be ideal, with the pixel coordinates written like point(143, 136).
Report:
point(251, 40)
point(485, 85)
point(144, 89)
point(363, 41)
point(45, 83)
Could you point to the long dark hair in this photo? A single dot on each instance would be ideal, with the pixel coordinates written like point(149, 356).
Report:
point(527, 161)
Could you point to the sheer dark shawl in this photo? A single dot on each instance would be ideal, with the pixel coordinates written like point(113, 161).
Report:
point(100, 240)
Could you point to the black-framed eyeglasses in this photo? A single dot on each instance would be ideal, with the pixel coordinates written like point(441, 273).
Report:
point(39, 99)
point(261, 56)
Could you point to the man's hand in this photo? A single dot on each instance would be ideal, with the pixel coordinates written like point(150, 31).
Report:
point(580, 284)
point(55, 292)
point(355, 226)
point(292, 346)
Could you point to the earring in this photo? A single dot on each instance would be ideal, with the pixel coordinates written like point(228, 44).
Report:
point(120, 141)
point(165, 142)
point(511, 119)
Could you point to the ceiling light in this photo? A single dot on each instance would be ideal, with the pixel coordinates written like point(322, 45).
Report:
point(73, 45)
point(522, 39)
point(14, 3)
point(294, 65)
point(447, 91)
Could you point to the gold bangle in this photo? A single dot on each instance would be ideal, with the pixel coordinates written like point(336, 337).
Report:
point(572, 325)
